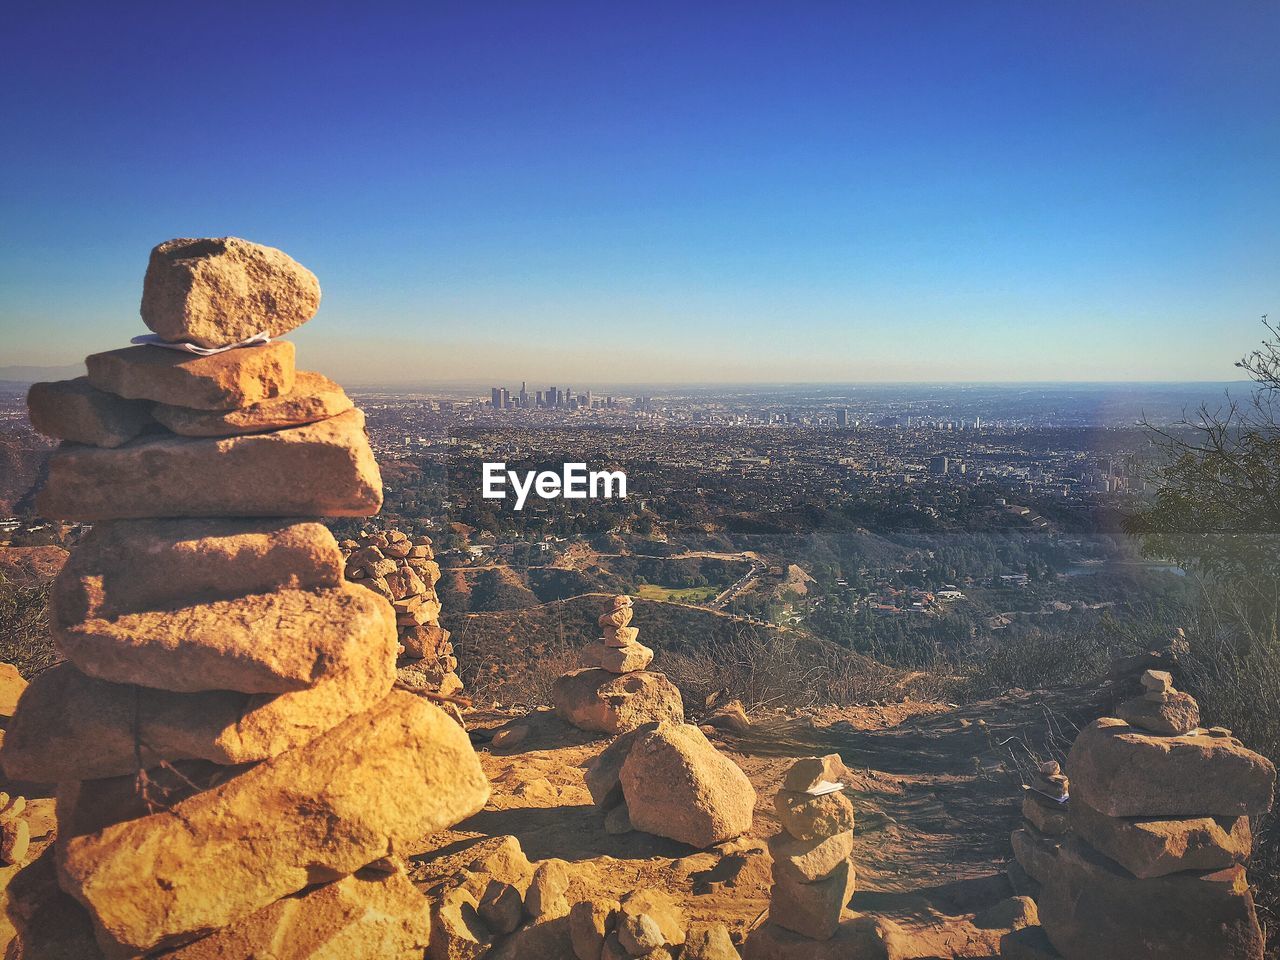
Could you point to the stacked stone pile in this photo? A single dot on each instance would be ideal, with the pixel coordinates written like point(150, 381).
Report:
point(235, 771)
point(1045, 819)
point(404, 571)
point(813, 873)
point(614, 692)
point(1150, 863)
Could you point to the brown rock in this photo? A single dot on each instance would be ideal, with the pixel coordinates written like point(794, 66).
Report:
point(424, 641)
point(807, 817)
point(628, 659)
point(1176, 713)
point(1035, 852)
point(373, 786)
point(545, 898)
point(603, 775)
point(595, 699)
point(1089, 907)
point(732, 716)
point(661, 907)
point(366, 916)
point(457, 932)
point(639, 934)
point(812, 909)
point(74, 727)
point(313, 397)
point(808, 772)
point(76, 411)
point(708, 941)
point(15, 840)
point(1029, 943)
point(12, 686)
point(807, 861)
point(620, 617)
point(858, 937)
point(127, 566)
point(589, 923)
point(1123, 772)
point(620, 636)
point(262, 643)
point(223, 381)
point(678, 785)
point(501, 907)
point(1047, 816)
point(221, 290)
point(1154, 848)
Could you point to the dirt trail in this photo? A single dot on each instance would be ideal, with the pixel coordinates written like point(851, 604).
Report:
point(936, 789)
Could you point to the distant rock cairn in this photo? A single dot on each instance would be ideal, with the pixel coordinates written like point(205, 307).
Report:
point(235, 770)
point(614, 693)
point(1137, 851)
point(404, 571)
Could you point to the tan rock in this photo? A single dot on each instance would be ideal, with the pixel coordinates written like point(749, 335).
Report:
point(808, 861)
point(12, 686)
point(457, 932)
point(1089, 907)
point(628, 659)
point(1035, 852)
point(732, 716)
point(1123, 772)
point(620, 617)
point(1047, 816)
point(126, 566)
point(545, 898)
point(501, 907)
point(658, 905)
point(806, 817)
point(1154, 848)
point(510, 737)
point(678, 785)
point(323, 469)
point(74, 410)
point(372, 787)
point(221, 290)
point(262, 643)
point(366, 916)
point(639, 934)
point(1174, 714)
point(595, 699)
point(603, 775)
point(223, 381)
point(15, 840)
point(621, 636)
point(858, 937)
point(590, 922)
point(1029, 943)
point(708, 941)
point(75, 727)
point(313, 397)
point(812, 909)
point(808, 772)
point(544, 940)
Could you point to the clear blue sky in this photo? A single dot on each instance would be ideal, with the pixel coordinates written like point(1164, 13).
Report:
point(605, 192)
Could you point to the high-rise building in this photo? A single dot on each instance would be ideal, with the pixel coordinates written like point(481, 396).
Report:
point(524, 394)
point(495, 397)
point(842, 417)
point(938, 466)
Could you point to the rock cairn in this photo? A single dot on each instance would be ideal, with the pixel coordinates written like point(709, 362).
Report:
point(1147, 861)
point(235, 770)
point(405, 572)
point(614, 692)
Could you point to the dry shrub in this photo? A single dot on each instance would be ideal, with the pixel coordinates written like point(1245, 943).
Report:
point(24, 627)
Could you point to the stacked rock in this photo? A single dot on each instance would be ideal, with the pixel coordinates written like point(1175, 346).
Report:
point(813, 873)
point(1045, 805)
point(404, 571)
point(1152, 865)
point(233, 765)
point(614, 693)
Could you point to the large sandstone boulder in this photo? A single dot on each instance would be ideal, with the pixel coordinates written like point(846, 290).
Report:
point(1122, 772)
point(595, 699)
point(367, 916)
point(222, 381)
point(1152, 848)
point(374, 786)
point(1090, 907)
point(603, 775)
point(858, 937)
point(262, 643)
point(678, 785)
point(812, 909)
point(323, 469)
point(313, 397)
point(75, 727)
point(221, 290)
point(75, 410)
point(126, 566)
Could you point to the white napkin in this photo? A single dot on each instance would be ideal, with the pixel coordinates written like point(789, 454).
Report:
point(153, 340)
point(823, 787)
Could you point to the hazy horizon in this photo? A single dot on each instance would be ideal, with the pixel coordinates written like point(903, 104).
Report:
point(734, 194)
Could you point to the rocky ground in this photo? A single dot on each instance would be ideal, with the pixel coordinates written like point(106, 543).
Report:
point(937, 791)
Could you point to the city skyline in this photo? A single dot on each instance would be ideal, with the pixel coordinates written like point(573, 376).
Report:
point(854, 193)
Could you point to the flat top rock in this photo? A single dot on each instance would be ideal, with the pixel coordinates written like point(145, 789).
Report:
point(223, 381)
point(76, 410)
point(313, 397)
point(217, 291)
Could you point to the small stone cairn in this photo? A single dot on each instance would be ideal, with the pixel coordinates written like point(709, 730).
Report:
point(614, 692)
point(1147, 858)
point(404, 571)
point(813, 873)
point(234, 769)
